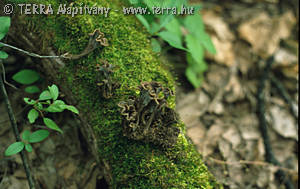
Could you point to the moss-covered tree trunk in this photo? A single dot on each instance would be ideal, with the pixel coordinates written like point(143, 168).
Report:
point(107, 80)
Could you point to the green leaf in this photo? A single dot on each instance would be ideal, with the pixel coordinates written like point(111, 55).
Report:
point(3, 55)
point(14, 148)
point(70, 108)
point(5, 24)
point(52, 125)
point(180, 3)
point(155, 45)
point(45, 95)
point(153, 3)
point(39, 106)
point(164, 19)
point(194, 47)
point(197, 7)
point(143, 20)
point(195, 26)
point(196, 66)
point(29, 101)
point(59, 102)
point(26, 76)
point(38, 136)
point(32, 115)
point(56, 106)
point(159, 3)
point(195, 78)
point(25, 135)
point(134, 1)
point(32, 89)
point(154, 28)
point(28, 147)
point(207, 43)
point(54, 91)
point(174, 27)
point(173, 39)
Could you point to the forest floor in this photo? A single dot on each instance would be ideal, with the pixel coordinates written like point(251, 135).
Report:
point(221, 116)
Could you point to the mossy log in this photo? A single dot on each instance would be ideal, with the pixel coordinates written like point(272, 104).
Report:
point(128, 163)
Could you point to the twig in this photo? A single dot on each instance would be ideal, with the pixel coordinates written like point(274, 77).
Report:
point(29, 53)
point(270, 157)
point(257, 163)
point(16, 133)
point(96, 40)
point(4, 79)
point(17, 114)
point(284, 94)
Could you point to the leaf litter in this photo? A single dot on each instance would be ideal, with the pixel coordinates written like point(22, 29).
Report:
point(221, 116)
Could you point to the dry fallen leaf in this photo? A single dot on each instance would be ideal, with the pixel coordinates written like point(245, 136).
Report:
point(47, 174)
point(69, 170)
point(264, 33)
point(12, 182)
point(222, 38)
point(233, 136)
point(236, 170)
point(225, 54)
point(211, 140)
point(234, 90)
point(248, 126)
point(265, 176)
point(283, 123)
point(217, 24)
point(287, 63)
point(197, 134)
point(291, 71)
point(284, 58)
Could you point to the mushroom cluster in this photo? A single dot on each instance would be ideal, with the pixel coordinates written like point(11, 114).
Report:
point(104, 79)
point(148, 118)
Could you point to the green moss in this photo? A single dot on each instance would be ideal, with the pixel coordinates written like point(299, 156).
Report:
point(134, 164)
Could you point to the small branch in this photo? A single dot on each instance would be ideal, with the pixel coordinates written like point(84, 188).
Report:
point(256, 163)
point(261, 111)
point(284, 94)
point(96, 40)
point(4, 79)
point(29, 53)
point(16, 133)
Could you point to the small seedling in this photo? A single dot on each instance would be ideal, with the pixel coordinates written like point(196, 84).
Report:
point(46, 103)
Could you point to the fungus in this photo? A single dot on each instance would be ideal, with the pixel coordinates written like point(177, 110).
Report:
point(104, 79)
point(96, 40)
point(148, 117)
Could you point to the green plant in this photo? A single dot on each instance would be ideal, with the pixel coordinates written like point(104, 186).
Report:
point(5, 24)
point(47, 98)
point(27, 77)
point(170, 27)
point(46, 103)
